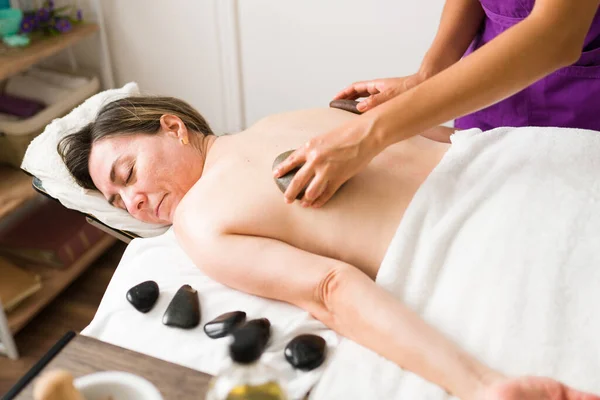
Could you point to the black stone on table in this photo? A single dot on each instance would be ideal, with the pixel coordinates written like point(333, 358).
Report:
point(184, 310)
point(306, 352)
point(143, 296)
point(224, 324)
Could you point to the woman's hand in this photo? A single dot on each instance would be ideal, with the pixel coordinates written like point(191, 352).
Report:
point(378, 91)
point(327, 161)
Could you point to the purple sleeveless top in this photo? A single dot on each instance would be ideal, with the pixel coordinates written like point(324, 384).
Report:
point(569, 97)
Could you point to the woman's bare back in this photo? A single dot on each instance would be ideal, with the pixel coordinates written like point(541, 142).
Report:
point(237, 193)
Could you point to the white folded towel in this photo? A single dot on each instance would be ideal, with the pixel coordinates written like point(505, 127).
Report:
point(500, 250)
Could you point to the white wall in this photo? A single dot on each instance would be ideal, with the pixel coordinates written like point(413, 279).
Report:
point(299, 54)
point(167, 47)
point(294, 54)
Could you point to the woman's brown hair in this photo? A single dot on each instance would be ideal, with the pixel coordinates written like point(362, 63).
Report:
point(127, 116)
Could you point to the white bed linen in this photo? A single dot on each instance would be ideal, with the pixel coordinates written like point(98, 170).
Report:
point(500, 250)
point(162, 260)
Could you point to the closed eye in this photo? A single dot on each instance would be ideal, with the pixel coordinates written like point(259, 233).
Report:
point(130, 173)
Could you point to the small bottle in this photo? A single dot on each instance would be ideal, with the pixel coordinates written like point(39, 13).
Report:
point(246, 378)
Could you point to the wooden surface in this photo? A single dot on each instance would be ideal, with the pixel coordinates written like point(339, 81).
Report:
point(15, 187)
point(16, 59)
point(84, 355)
point(72, 310)
point(54, 281)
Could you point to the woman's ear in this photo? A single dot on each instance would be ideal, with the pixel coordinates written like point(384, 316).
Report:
point(173, 126)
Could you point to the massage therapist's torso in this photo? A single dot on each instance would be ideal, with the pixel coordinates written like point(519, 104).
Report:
point(237, 194)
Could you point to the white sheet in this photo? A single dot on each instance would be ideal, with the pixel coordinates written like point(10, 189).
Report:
point(162, 260)
point(499, 249)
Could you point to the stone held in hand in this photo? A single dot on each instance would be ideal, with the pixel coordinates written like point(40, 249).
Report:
point(143, 296)
point(184, 310)
point(345, 104)
point(284, 181)
point(306, 352)
point(224, 324)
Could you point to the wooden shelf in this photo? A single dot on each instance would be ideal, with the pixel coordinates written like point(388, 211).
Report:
point(16, 59)
point(54, 281)
point(15, 189)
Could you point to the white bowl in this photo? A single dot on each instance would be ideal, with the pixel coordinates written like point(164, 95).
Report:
point(116, 385)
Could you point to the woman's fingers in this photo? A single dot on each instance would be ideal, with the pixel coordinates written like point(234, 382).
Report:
point(349, 94)
point(299, 182)
point(374, 100)
point(358, 89)
point(294, 160)
point(326, 195)
point(315, 189)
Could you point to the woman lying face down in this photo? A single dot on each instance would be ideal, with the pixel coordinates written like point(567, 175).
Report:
point(158, 159)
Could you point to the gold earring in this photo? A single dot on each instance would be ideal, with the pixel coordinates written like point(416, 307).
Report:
point(184, 141)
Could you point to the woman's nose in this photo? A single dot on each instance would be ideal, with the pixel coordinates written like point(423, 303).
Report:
point(134, 201)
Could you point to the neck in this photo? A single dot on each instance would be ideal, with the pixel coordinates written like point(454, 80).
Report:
point(204, 145)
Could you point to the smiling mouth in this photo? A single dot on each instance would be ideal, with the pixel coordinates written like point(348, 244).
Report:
point(157, 211)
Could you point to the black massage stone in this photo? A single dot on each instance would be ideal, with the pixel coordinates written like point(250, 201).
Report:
point(143, 296)
point(184, 310)
point(284, 181)
point(306, 352)
point(347, 105)
point(263, 325)
point(224, 324)
point(249, 343)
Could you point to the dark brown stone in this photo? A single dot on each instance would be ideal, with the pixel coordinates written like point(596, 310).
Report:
point(347, 105)
point(284, 181)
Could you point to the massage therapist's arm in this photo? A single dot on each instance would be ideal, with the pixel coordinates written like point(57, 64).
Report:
point(458, 26)
point(340, 296)
point(551, 37)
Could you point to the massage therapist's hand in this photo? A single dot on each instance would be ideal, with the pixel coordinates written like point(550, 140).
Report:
point(327, 161)
point(378, 91)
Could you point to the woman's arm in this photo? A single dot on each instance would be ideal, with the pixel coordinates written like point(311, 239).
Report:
point(328, 289)
point(551, 37)
point(458, 26)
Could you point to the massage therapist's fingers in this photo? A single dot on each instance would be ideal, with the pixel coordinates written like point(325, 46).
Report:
point(374, 100)
point(326, 195)
point(299, 182)
point(315, 189)
point(359, 89)
point(294, 160)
